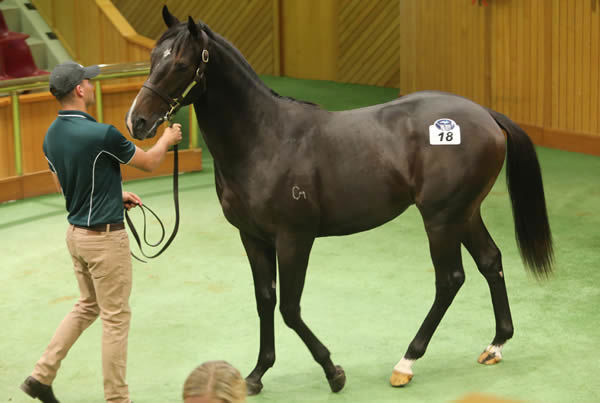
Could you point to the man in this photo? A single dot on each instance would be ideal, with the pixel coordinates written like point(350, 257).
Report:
point(84, 156)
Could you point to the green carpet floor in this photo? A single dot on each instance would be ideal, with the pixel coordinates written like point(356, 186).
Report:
point(365, 297)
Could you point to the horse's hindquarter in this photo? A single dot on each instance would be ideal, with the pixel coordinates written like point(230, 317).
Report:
point(375, 162)
point(458, 176)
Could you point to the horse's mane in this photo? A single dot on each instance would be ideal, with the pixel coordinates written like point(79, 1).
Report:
point(180, 34)
point(242, 60)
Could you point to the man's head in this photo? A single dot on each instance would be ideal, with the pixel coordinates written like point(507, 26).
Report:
point(69, 83)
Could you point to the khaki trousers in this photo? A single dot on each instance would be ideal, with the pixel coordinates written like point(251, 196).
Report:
point(102, 265)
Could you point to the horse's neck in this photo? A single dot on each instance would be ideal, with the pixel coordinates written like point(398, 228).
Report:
point(235, 113)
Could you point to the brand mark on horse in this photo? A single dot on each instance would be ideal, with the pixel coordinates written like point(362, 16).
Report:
point(297, 194)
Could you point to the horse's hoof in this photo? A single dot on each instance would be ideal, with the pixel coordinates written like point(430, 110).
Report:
point(253, 387)
point(491, 355)
point(398, 379)
point(339, 379)
point(489, 358)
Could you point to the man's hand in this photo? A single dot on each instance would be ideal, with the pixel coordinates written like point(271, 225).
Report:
point(172, 134)
point(131, 200)
point(151, 159)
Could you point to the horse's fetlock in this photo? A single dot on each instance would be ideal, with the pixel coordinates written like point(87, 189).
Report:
point(415, 351)
point(504, 331)
point(322, 356)
point(269, 359)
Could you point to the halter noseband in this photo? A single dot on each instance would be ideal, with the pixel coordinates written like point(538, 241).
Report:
point(175, 103)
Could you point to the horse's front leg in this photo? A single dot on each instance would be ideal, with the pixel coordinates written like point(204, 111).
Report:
point(293, 250)
point(263, 263)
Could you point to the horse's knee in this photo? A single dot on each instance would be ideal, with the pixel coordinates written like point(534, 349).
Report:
point(290, 314)
point(266, 299)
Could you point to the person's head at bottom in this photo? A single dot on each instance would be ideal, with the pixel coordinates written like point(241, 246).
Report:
point(214, 382)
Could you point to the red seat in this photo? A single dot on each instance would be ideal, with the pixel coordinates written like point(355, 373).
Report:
point(3, 75)
point(6, 34)
point(17, 60)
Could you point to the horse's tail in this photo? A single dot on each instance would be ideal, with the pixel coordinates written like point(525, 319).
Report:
point(524, 181)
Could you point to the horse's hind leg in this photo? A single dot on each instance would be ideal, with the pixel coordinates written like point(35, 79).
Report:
point(293, 251)
point(444, 245)
point(262, 261)
point(487, 256)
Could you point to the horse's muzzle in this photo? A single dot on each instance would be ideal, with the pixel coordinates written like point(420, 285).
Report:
point(139, 128)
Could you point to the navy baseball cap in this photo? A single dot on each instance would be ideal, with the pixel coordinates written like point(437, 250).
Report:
point(66, 76)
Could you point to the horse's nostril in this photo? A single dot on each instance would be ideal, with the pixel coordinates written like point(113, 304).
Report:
point(139, 124)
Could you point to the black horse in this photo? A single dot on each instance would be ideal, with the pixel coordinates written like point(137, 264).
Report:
point(287, 171)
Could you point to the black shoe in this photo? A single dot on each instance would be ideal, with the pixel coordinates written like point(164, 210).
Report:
point(36, 389)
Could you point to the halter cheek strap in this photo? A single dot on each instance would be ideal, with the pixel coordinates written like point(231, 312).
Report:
point(175, 103)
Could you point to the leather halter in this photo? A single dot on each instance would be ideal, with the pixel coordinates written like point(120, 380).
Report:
point(176, 103)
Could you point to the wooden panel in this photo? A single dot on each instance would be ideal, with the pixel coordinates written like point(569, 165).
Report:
point(63, 24)
point(564, 140)
point(44, 7)
point(544, 71)
point(309, 39)
point(91, 40)
point(38, 183)
point(94, 32)
point(11, 188)
point(249, 25)
point(530, 59)
point(38, 111)
point(28, 185)
point(369, 42)
point(443, 48)
point(7, 147)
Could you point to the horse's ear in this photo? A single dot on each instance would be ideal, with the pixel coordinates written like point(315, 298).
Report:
point(169, 18)
point(192, 27)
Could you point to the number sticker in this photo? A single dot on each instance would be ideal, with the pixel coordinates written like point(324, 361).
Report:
point(444, 131)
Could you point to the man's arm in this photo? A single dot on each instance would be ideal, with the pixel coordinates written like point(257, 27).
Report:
point(151, 159)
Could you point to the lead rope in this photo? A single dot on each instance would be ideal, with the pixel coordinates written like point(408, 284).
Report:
point(144, 207)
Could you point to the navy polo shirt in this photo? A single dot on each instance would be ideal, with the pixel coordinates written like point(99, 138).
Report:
point(86, 157)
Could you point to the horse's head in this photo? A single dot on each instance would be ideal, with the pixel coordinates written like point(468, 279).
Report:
point(178, 63)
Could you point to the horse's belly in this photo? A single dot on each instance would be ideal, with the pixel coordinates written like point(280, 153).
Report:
point(361, 212)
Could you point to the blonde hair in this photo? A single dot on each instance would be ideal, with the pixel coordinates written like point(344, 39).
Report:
point(217, 379)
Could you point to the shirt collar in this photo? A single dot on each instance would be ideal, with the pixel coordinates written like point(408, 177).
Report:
point(75, 113)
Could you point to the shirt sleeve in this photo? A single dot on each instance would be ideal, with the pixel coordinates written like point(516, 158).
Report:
point(119, 146)
point(50, 166)
point(46, 156)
